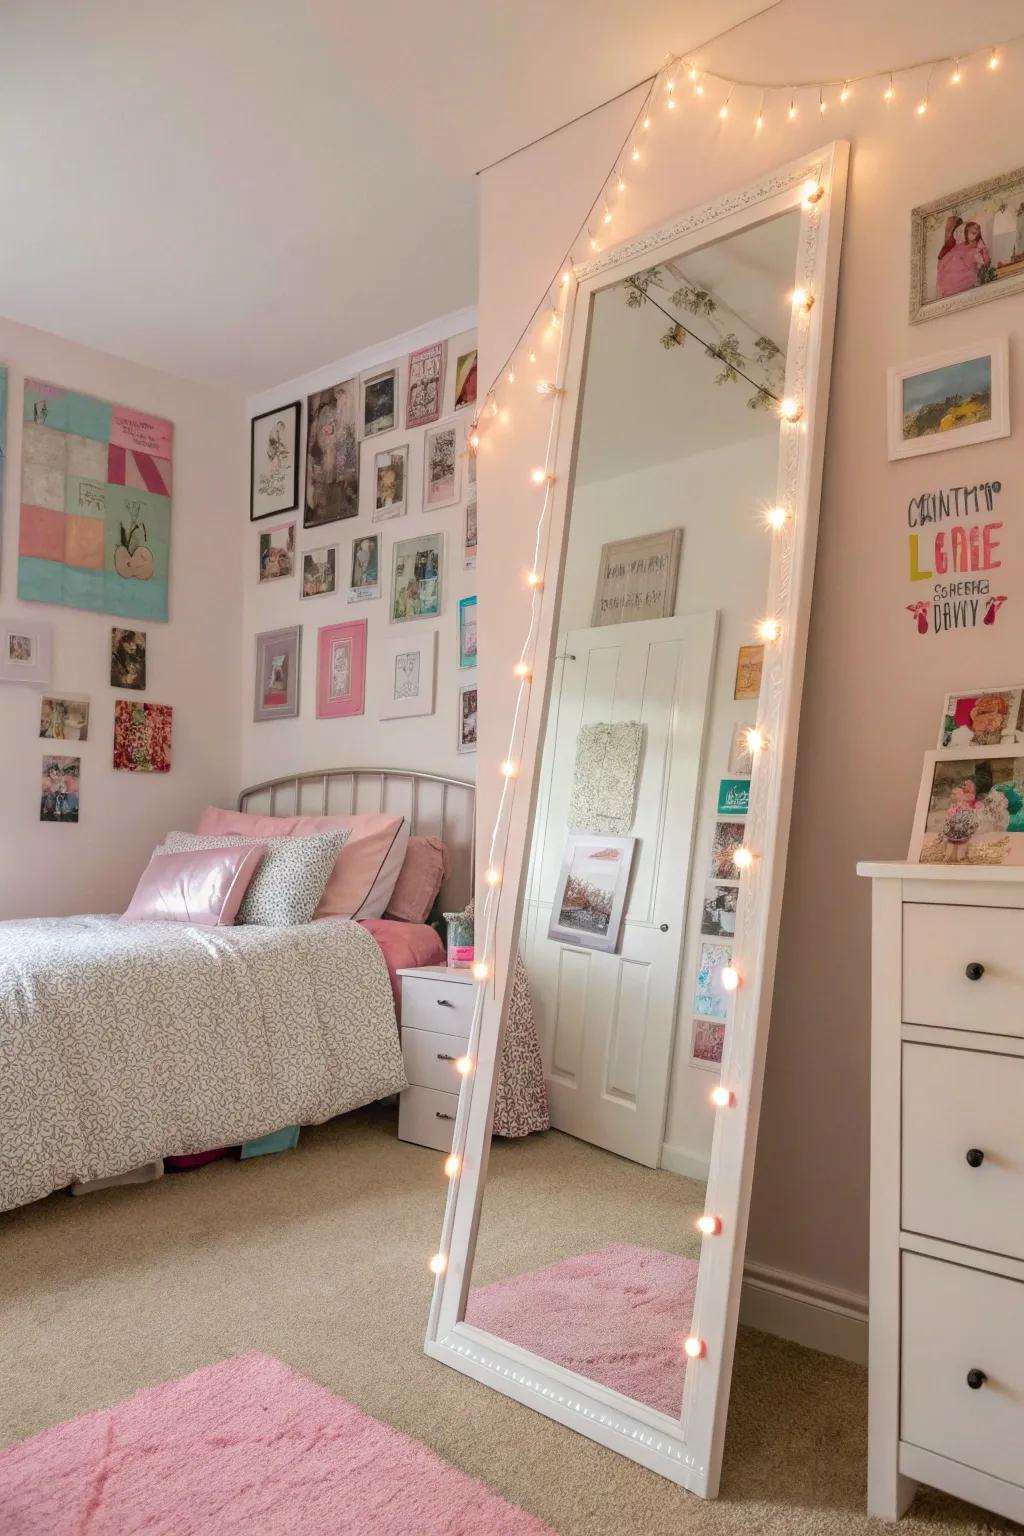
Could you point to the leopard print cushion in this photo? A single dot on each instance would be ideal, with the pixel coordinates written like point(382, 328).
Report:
point(291, 878)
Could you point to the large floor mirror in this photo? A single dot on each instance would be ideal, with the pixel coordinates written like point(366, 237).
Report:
point(593, 1272)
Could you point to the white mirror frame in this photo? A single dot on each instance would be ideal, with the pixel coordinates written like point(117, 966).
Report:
point(689, 1449)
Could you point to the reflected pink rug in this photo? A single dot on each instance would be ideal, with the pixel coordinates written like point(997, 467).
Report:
point(618, 1315)
point(245, 1448)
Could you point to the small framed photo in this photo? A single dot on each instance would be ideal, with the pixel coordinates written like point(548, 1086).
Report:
point(749, 666)
point(64, 719)
point(390, 483)
point(949, 400)
point(416, 570)
point(708, 1042)
point(590, 898)
point(465, 380)
point(425, 388)
point(741, 756)
point(274, 462)
point(970, 809)
point(985, 717)
point(469, 535)
point(442, 466)
point(128, 658)
point(332, 455)
point(725, 839)
point(967, 247)
point(278, 653)
point(718, 910)
point(710, 999)
point(409, 678)
point(26, 650)
point(467, 632)
point(341, 670)
point(320, 571)
point(467, 718)
point(380, 401)
point(59, 789)
point(142, 736)
point(637, 578)
point(364, 579)
point(277, 552)
point(733, 797)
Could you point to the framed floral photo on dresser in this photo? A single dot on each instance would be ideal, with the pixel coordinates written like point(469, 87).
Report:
point(970, 809)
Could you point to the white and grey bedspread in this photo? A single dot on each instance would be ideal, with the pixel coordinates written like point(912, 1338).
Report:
point(125, 1042)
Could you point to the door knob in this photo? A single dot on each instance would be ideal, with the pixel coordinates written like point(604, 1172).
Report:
point(663, 927)
point(975, 1157)
point(976, 1379)
point(974, 970)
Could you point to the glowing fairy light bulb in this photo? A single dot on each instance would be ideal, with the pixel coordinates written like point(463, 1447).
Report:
point(438, 1264)
point(452, 1164)
point(759, 122)
point(742, 858)
point(993, 59)
point(801, 299)
point(789, 409)
point(698, 89)
point(634, 153)
point(540, 476)
point(755, 740)
point(620, 186)
point(645, 124)
point(844, 94)
point(531, 356)
point(723, 110)
point(722, 1098)
point(957, 75)
point(474, 439)
point(464, 1066)
point(692, 74)
point(493, 876)
point(546, 387)
point(534, 579)
point(769, 630)
point(522, 670)
point(694, 1347)
point(922, 106)
point(607, 214)
point(813, 192)
point(730, 978)
point(791, 114)
point(889, 92)
point(776, 517)
point(480, 970)
point(709, 1225)
point(822, 103)
point(511, 375)
point(566, 277)
point(508, 769)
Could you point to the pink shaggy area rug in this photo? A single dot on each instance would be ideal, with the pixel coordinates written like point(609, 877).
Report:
point(618, 1316)
point(245, 1448)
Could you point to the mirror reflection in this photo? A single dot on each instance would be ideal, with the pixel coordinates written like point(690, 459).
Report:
point(588, 1250)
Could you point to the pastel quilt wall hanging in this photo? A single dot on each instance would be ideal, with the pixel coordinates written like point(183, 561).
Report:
point(95, 504)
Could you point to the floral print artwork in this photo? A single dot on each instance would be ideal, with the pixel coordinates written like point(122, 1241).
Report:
point(142, 736)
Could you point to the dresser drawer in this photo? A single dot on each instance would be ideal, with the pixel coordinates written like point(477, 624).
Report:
point(940, 943)
point(955, 1321)
point(427, 1117)
point(955, 1102)
point(430, 1059)
point(444, 1007)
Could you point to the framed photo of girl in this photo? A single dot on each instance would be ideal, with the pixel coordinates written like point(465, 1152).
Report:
point(967, 247)
point(274, 462)
point(970, 808)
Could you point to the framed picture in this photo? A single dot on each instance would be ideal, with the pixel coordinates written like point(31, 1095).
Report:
point(590, 898)
point(707, 1044)
point(967, 247)
point(364, 582)
point(332, 455)
point(278, 654)
point(985, 717)
point(637, 578)
point(274, 462)
point(469, 535)
point(142, 736)
point(741, 757)
point(409, 676)
point(128, 658)
point(64, 719)
point(26, 650)
point(467, 718)
point(725, 839)
point(442, 466)
point(341, 670)
point(390, 482)
point(379, 411)
point(718, 910)
point(465, 380)
point(949, 400)
point(416, 578)
point(467, 632)
point(710, 999)
point(426, 384)
point(320, 571)
point(970, 809)
point(59, 789)
point(277, 552)
point(733, 797)
point(749, 666)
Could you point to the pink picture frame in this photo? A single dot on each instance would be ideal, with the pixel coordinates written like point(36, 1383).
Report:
point(341, 670)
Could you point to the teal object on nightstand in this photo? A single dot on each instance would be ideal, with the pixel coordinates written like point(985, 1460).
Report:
point(277, 1141)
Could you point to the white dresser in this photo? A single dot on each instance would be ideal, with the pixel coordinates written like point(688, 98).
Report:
point(947, 1186)
point(437, 1011)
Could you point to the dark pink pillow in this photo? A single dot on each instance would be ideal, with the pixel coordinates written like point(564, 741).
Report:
point(419, 880)
point(205, 887)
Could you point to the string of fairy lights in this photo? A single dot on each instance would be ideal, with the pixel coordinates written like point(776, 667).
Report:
point(545, 334)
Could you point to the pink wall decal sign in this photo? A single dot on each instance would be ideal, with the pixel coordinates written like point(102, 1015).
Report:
point(953, 543)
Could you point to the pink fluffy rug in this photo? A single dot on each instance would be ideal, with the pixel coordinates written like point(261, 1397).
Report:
point(618, 1316)
point(245, 1448)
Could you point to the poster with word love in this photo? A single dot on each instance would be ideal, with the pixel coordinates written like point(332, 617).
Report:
point(954, 540)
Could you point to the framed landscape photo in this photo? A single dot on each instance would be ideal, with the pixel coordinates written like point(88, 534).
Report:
point(637, 578)
point(379, 401)
point(590, 897)
point(950, 399)
point(278, 653)
point(416, 573)
point(967, 247)
point(390, 483)
point(274, 462)
point(409, 676)
point(320, 571)
point(341, 670)
point(467, 718)
point(970, 809)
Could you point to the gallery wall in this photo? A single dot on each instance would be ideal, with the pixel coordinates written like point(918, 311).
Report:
point(874, 685)
point(192, 660)
point(277, 747)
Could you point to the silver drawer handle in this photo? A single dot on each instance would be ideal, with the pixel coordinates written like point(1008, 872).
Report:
point(445, 1002)
point(439, 1114)
point(443, 1056)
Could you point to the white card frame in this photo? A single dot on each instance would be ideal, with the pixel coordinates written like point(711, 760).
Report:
point(34, 673)
point(998, 425)
point(687, 1449)
point(423, 703)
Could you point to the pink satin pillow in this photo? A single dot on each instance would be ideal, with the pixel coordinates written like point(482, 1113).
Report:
point(367, 867)
point(421, 877)
point(205, 888)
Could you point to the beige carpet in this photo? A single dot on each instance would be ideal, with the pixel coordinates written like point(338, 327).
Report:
point(318, 1256)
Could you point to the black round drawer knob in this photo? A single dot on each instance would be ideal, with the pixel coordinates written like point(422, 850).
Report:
point(975, 1157)
point(663, 927)
point(976, 1379)
point(974, 970)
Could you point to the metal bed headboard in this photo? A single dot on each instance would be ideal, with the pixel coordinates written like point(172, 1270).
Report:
point(434, 804)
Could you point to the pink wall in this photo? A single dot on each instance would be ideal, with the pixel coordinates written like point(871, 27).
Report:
point(874, 686)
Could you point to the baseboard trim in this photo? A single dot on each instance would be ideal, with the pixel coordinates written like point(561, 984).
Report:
point(822, 1317)
point(690, 1164)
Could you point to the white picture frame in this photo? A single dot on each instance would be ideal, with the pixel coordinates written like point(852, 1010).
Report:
point(917, 386)
point(407, 686)
point(374, 389)
point(592, 865)
point(442, 447)
point(26, 652)
point(973, 827)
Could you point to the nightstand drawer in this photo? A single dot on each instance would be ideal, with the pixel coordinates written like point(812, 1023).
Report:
point(430, 1059)
point(427, 1117)
point(963, 967)
point(963, 1147)
point(963, 1365)
point(444, 1007)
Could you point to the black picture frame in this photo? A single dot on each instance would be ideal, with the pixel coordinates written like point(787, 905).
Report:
point(295, 409)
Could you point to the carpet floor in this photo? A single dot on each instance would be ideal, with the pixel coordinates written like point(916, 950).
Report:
point(318, 1257)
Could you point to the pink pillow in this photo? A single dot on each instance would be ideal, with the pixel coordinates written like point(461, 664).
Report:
point(367, 867)
point(419, 880)
point(205, 888)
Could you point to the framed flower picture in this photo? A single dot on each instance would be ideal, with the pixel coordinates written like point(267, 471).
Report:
point(274, 462)
point(409, 676)
point(341, 670)
point(278, 652)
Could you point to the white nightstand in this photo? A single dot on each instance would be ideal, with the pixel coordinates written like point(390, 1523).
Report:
point(437, 1011)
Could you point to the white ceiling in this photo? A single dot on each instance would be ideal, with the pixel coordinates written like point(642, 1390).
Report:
point(241, 190)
